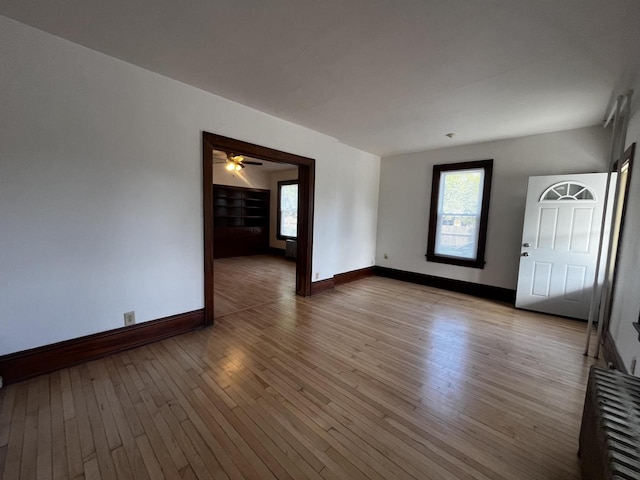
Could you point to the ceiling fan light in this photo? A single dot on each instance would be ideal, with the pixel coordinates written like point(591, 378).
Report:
point(238, 167)
point(230, 166)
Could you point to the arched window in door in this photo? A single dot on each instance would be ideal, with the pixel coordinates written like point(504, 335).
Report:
point(567, 190)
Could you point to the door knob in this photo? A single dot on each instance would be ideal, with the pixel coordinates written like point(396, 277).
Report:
point(525, 254)
point(525, 245)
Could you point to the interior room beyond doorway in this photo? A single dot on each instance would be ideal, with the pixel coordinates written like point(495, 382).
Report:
point(255, 206)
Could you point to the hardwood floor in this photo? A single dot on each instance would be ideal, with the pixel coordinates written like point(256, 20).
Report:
point(376, 379)
point(246, 282)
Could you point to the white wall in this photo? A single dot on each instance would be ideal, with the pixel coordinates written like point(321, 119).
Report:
point(355, 211)
point(274, 178)
point(100, 189)
point(248, 177)
point(626, 302)
point(405, 189)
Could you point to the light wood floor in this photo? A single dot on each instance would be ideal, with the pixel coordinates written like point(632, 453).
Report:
point(377, 379)
point(246, 282)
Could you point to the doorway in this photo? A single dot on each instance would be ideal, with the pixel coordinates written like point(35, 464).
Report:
point(306, 183)
point(560, 243)
point(624, 170)
point(252, 210)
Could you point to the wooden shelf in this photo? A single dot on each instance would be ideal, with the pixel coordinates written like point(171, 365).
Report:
point(241, 221)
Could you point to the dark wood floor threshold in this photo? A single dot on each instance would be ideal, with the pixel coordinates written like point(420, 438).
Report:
point(19, 366)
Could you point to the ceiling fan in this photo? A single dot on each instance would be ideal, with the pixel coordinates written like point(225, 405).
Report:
point(233, 162)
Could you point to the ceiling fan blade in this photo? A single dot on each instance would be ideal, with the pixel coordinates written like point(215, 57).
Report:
point(248, 162)
point(234, 158)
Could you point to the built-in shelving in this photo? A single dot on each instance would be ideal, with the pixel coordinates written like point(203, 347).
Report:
point(241, 221)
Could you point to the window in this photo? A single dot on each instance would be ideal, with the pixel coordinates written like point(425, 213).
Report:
point(459, 213)
point(287, 209)
point(567, 191)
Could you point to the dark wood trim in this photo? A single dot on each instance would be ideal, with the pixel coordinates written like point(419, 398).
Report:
point(306, 194)
point(353, 275)
point(629, 156)
point(278, 216)
point(241, 189)
point(278, 252)
point(611, 354)
point(431, 256)
point(207, 208)
point(306, 188)
point(322, 286)
point(240, 147)
point(341, 279)
point(636, 325)
point(239, 229)
point(19, 366)
point(475, 289)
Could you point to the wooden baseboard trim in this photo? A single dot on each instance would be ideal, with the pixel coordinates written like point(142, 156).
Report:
point(19, 366)
point(322, 286)
point(341, 279)
point(280, 252)
point(611, 354)
point(475, 289)
point(353, 275)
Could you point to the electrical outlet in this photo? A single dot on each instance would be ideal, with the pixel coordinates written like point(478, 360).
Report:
point(130, 318)
point(386, 257)
point(633, 365)
point(317, 275)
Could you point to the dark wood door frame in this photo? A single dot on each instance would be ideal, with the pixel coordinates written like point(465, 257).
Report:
point(306, 185)
point(628, 157)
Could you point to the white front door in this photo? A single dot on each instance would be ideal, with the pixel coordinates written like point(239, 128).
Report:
point(560, 237)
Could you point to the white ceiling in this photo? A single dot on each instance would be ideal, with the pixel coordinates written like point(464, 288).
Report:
point(383, 76)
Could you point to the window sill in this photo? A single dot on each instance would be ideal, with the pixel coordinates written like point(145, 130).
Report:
point(460, 262)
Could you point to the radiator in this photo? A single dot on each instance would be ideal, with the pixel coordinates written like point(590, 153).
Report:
point(610, 432)
point(291, 249)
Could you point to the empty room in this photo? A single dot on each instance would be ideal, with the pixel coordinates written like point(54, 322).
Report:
point(323, 240)
point(254, 231)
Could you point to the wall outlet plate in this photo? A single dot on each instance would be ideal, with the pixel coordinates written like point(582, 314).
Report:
point(129, 318)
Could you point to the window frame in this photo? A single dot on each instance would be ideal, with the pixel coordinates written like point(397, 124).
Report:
point(282, 183)
point(438, 170)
